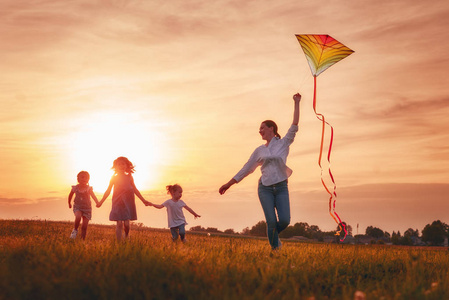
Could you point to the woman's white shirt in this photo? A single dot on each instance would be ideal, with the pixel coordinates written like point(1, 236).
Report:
point(271, 158)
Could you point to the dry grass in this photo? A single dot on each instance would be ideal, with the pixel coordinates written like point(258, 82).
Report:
point(39, 261)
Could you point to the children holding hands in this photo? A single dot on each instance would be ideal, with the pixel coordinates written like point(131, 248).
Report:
point(123, 202)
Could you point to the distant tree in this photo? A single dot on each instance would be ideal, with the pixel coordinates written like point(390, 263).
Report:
point(260, 229)
point(374, 232)
point(246, 231)
point(410, 232)
point(435, 233)
point(342, 227)
point(314, 232)
point(301, 229)
point(288, 232)
point(212, 229)
point(197, 228)
point(230, 231)
point(406, 240)
point(396, 238)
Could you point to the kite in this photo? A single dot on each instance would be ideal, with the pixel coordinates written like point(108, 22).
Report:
point(322, 51)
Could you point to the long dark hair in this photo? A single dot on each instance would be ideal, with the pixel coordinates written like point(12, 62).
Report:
point(273, 125)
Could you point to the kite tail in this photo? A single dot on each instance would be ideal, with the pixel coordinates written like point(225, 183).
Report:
point(333, 194)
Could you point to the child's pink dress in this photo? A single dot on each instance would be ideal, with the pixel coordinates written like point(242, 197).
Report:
point(123, 202)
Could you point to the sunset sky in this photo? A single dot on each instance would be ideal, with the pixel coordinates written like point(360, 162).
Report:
point(180, 88)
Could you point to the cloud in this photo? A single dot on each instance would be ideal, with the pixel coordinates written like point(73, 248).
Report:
point(404, 118)
point(26, 201)
point(16, 201)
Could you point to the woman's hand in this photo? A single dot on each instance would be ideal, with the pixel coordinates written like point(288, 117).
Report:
point(297, 97)
point(223, 189)
point(226, 186)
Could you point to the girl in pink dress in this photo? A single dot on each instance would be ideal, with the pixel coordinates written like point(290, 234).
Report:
point(123, 204)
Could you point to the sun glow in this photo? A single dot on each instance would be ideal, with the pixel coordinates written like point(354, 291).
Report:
point(106, 136)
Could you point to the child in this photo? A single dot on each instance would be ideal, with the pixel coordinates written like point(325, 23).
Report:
point(82, 207)
point(176, 219)
point(123, 205)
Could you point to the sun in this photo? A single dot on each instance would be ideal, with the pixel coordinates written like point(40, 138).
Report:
point(103, 137)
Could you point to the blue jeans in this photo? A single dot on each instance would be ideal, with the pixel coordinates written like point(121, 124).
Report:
point(274, 198)
point(182, 232)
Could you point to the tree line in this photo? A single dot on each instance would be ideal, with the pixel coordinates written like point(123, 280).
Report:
point(433, 234)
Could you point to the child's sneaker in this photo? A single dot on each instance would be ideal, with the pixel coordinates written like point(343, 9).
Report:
point(73, 234)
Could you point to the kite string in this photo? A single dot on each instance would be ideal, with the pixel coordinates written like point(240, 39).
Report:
point(333, 195)
point(303, 80)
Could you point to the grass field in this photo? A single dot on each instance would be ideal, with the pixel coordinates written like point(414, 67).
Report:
point(39, 261)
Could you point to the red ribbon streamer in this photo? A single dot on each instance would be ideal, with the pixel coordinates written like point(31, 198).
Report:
point(333, 194)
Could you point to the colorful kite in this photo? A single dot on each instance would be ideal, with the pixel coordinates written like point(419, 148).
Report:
point(323, 51)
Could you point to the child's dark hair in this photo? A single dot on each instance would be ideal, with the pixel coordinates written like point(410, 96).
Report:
point(273, 125)
point(172, 188)
point(82, 173)
point(129, 166)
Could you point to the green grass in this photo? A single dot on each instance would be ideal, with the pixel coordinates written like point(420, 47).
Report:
point(39, 261)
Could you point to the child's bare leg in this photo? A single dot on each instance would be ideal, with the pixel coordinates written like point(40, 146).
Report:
point(118, 230)
point(126, 223)
point(78, 216)
point(84, 227)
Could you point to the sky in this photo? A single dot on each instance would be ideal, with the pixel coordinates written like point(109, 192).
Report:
point(181, 87)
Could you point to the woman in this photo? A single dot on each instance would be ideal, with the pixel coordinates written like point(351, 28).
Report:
point(273, 188)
